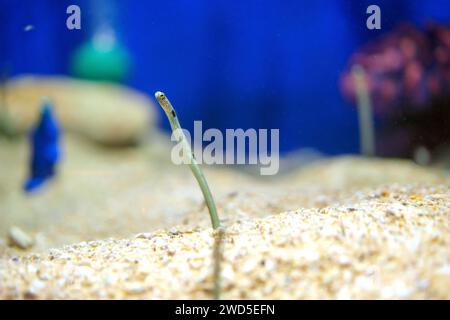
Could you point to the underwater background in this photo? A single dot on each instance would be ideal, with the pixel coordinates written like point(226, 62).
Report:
point(253, 64)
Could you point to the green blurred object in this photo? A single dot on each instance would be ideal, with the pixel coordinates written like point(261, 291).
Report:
point(102, 58)
point(6, 127)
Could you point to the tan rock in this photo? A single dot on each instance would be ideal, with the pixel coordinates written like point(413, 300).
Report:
point(19, 238)
point(108, 113)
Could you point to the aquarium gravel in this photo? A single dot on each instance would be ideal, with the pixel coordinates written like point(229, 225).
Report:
point(101, 193)
point(393, 243)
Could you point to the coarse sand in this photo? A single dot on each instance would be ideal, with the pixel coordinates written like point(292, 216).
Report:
point(393, 243)
point(127, 223)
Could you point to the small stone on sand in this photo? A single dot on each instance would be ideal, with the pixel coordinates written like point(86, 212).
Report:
point(19, 238)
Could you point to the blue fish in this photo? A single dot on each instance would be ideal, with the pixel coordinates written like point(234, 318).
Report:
point(45, 149)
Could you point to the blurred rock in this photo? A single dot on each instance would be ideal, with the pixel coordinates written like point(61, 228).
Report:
point(107, 113)
point(19, 238)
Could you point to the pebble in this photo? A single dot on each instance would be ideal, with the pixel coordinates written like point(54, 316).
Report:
point(34, 289)
point(19, 238)
point(249, 266)
point(135, 288)
point(145, 235)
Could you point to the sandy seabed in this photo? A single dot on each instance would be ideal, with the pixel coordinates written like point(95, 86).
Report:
point(129, 224)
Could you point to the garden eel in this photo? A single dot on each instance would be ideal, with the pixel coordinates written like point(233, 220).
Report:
point(366, 126)
point(193, 164)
